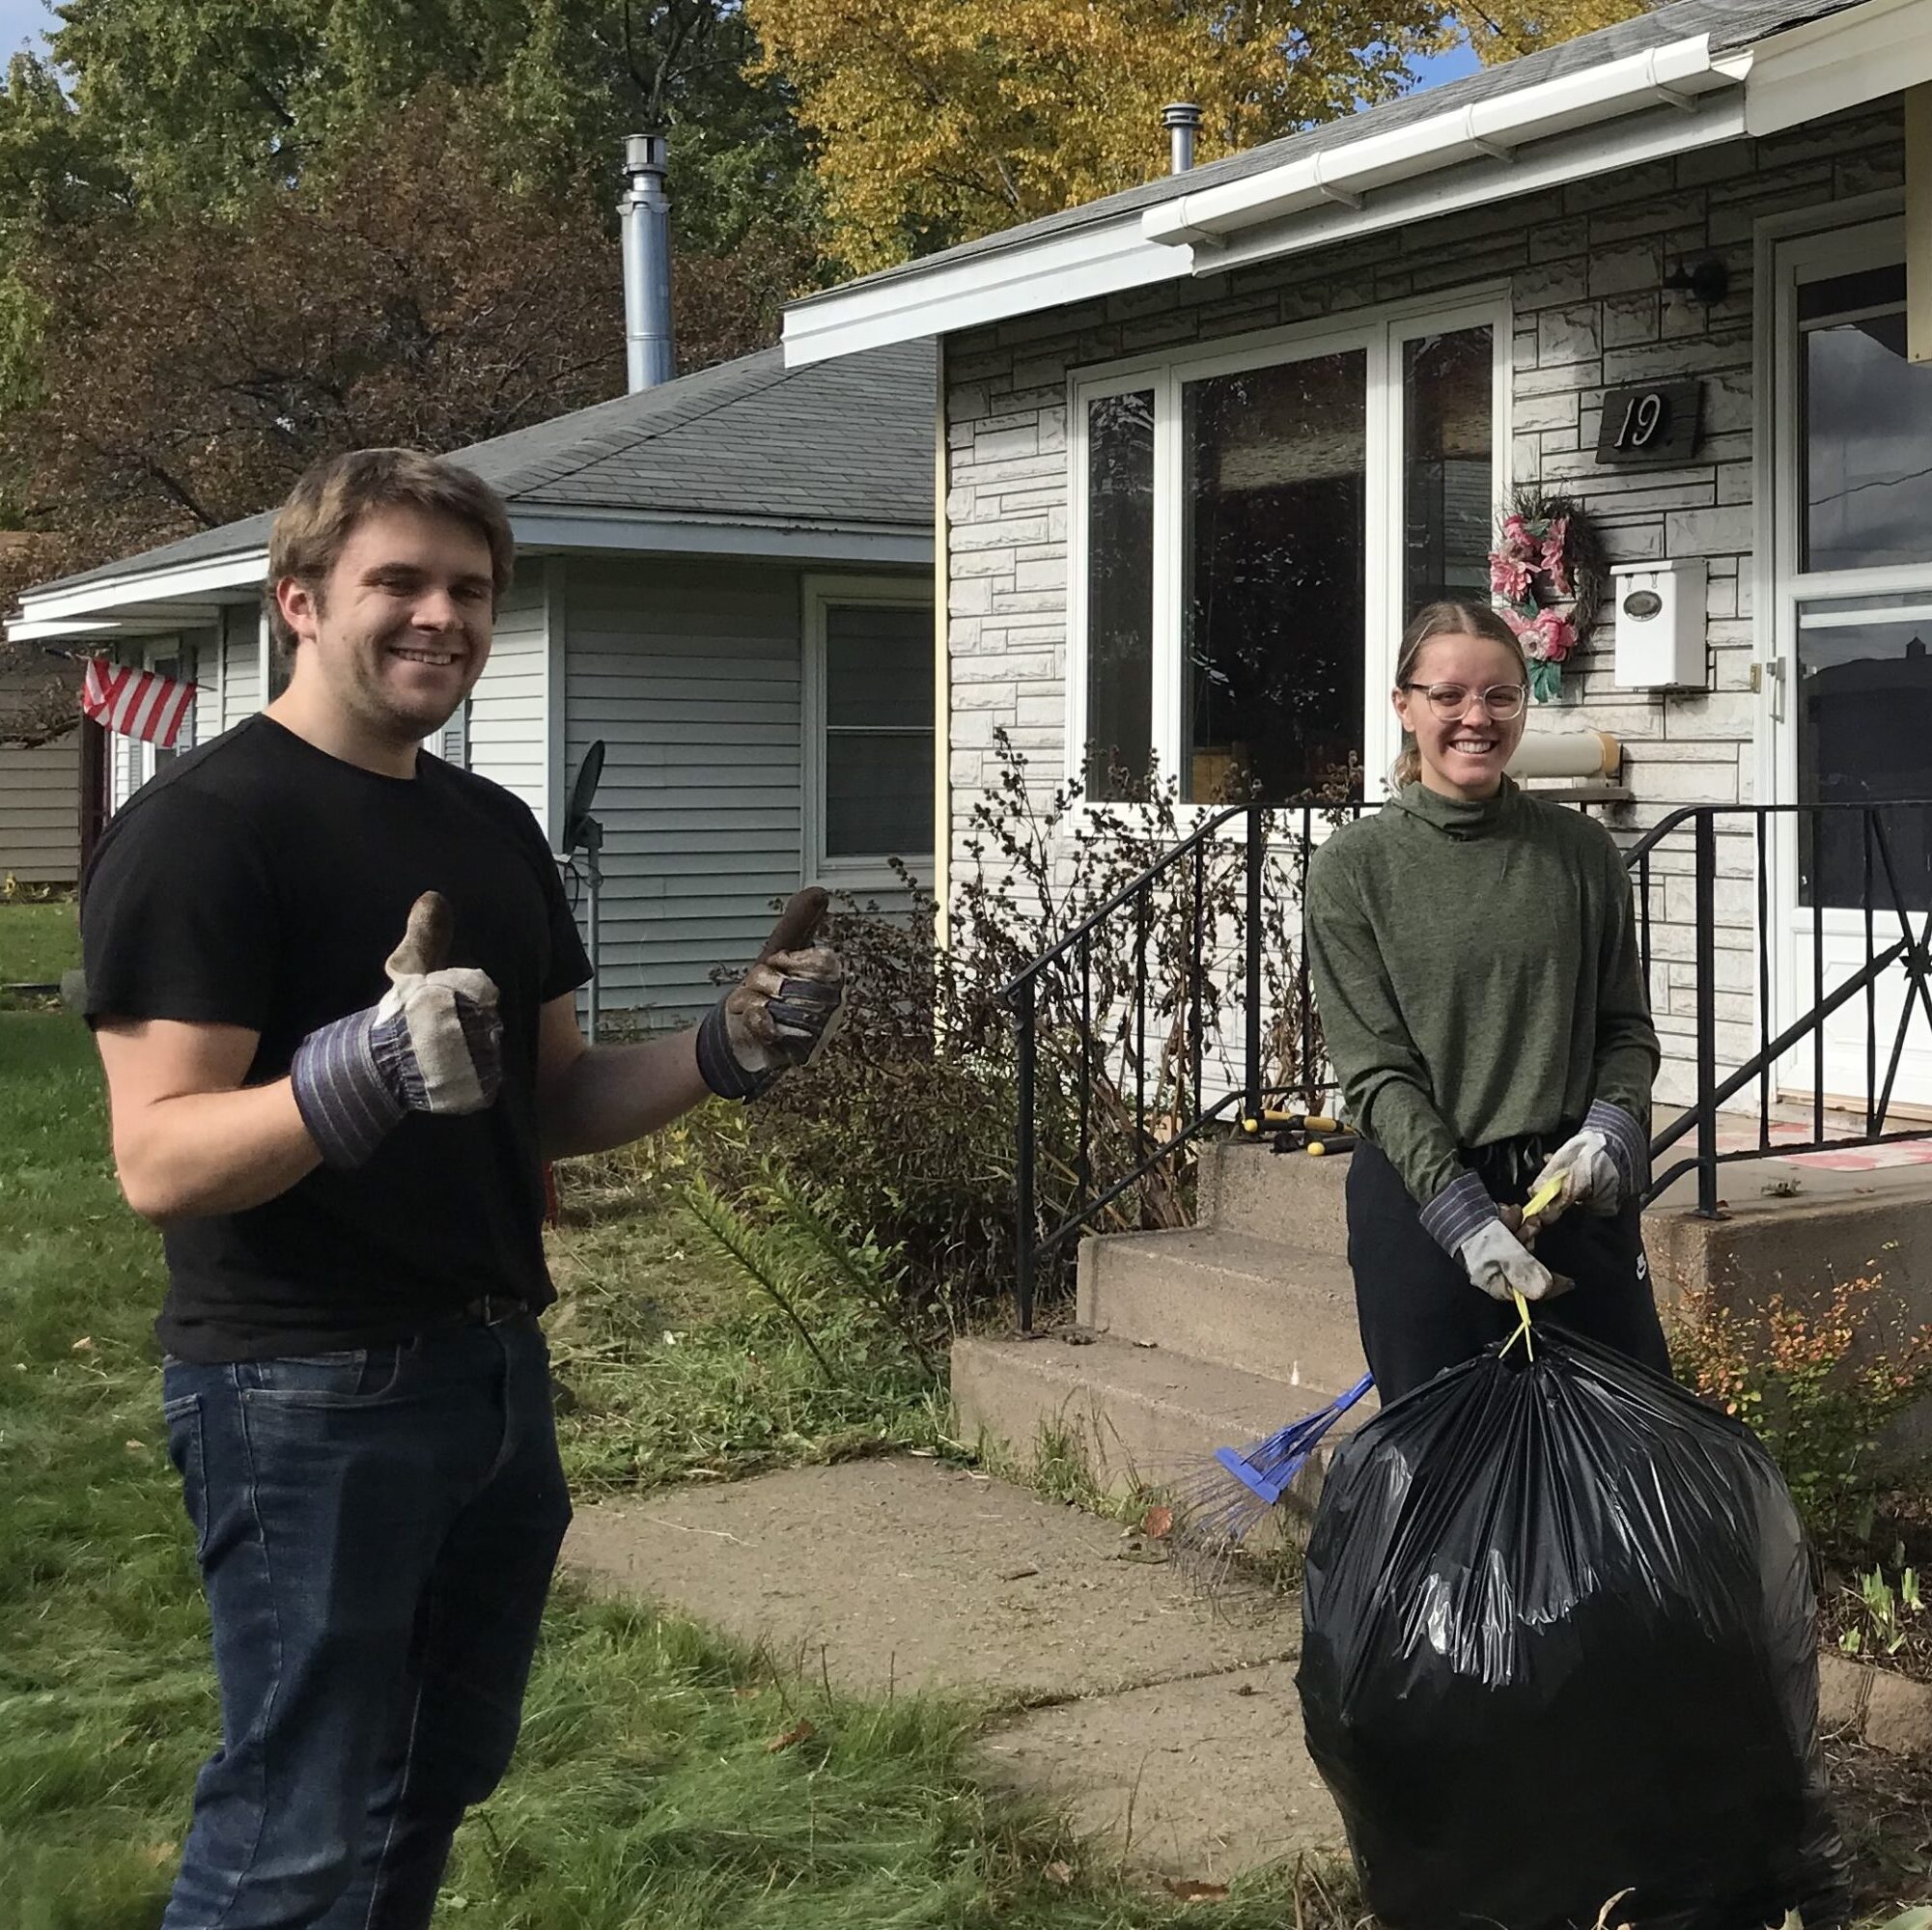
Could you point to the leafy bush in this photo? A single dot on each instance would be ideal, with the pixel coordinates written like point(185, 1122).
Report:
point(1818, 1386)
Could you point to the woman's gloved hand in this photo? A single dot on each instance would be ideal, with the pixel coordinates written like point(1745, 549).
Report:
point(1498, 1262)
point(1597, 1167)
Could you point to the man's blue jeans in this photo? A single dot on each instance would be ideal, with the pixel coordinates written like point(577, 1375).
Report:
point(377, 1532)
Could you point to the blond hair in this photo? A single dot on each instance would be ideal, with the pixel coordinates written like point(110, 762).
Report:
point(334, 495)
point(1444, 619)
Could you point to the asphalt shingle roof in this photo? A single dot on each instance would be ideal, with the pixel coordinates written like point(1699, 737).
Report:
point(836, 444)
point(1730, 23)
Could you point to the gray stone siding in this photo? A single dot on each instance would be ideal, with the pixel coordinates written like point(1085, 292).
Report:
point(1583, 265)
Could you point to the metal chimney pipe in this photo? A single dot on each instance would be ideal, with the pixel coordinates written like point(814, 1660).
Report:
point(645, 214)
point(1181, 120)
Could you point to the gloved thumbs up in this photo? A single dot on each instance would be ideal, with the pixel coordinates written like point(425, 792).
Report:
point(784, 1014)
point(426, 938)
point(433, 1043)
point(797, 923)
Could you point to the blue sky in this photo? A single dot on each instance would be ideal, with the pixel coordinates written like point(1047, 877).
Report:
point(22, 22)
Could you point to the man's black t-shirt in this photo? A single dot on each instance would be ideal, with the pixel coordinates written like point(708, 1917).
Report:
point(261, 883)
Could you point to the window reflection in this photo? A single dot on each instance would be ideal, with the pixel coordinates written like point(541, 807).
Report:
point(1868, 424)
point(1274, 466)
point(1865, 735)
point(1120, 593)
point(1448, 387)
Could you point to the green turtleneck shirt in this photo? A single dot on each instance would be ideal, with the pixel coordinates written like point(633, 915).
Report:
point(1476, 971)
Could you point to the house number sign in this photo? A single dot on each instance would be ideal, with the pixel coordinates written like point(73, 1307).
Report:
point(1649, 423)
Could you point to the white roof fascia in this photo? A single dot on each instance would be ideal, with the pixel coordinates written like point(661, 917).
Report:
point(22, 630)
point(1665, 100)
point(115, 594)
point(1071, 266)
point(1716, 118)
point(1840, 61)
point(1675, 74)
point(621, 531)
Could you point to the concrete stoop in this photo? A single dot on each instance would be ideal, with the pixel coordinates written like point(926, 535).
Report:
point(1215, 1335)
point(1186, 1341)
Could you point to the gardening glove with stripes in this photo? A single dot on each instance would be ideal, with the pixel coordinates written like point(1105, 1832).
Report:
point(784, 1012)
point(1498, 1262)
point(433, 1043)
point(1597, 1168)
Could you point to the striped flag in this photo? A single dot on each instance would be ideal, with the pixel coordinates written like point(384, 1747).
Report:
point(136, 703)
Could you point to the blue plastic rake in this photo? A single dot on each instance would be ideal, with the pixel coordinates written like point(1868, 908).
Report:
point(1217, 1511)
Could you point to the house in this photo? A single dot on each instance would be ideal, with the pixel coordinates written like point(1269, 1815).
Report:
point(40, 784)
point(1207, 442)
point(725, 578)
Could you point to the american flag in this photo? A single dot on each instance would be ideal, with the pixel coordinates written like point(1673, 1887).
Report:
point(136, 703)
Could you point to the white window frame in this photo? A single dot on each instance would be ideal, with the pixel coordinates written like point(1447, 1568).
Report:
point(183, 656)
point(822, 594)
point(1379, 332)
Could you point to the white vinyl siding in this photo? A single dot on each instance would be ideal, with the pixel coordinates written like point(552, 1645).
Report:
point(689, 672)
point(508, 707)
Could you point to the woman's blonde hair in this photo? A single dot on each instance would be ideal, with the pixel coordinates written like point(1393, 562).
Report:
point(1431, 620)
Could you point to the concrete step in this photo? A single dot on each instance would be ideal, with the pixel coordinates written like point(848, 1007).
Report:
point(1142, 1418)
point(1247, 1188)
point(1226, 1298)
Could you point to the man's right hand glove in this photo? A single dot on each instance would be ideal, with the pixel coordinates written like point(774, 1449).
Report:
point(1498, 1262)
point(435, 1043)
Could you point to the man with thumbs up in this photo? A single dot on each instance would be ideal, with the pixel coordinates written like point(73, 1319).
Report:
point(334, 985)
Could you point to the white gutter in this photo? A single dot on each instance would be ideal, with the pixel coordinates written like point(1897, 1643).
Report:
point(114, 594)
point(127, 603)
point(1674, 76)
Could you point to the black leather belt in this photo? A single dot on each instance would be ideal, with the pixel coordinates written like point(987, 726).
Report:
point(494, 1310)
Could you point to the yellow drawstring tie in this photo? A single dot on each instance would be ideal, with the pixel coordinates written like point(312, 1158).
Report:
point(1542, 1198)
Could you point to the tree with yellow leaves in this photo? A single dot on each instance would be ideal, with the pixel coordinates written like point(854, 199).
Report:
point(1500, 31)
point(940, 120)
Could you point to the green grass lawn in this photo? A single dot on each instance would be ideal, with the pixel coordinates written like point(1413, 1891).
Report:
point(644, 1796)
point(38, 942)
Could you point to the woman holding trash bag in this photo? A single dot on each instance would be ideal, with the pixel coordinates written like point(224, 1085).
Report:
point(1475, 966)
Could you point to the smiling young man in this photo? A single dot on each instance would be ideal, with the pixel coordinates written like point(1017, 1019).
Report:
point(334, 985)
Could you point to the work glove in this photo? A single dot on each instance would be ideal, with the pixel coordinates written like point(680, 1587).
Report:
point(784, 1011)
point(1598, 1167)
point(1498, 1262)
point(433, 1043)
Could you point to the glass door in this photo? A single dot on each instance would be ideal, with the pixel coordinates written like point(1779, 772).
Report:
point(1852, 610)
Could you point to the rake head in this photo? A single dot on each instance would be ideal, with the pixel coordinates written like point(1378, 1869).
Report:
point(1217, 1510)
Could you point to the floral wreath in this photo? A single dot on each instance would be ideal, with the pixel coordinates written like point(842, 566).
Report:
point(1548, 556)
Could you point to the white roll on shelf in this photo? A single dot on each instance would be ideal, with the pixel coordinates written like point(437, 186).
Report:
point(1574, 754)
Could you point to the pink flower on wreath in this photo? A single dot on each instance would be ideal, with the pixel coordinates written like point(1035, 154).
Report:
point(1509, 575)
point(1551, 561)
point(1549, 637)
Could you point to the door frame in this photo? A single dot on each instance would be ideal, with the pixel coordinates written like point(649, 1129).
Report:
point(1791, 249)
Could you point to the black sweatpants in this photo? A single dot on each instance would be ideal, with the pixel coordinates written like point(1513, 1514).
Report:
point(1419, 1312)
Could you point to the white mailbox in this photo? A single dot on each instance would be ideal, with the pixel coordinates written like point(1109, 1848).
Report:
point(1660, 624)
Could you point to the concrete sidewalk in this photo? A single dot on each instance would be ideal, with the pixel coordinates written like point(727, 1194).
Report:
point(1167, 1724)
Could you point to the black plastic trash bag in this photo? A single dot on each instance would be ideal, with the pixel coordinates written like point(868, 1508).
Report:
point(1561, 1642)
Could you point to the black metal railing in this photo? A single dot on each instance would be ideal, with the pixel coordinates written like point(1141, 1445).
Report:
point(1095, 1020)
point(1212, 901)
point(1869, 863)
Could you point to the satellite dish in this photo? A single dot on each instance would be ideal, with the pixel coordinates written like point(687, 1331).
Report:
point(583, 794)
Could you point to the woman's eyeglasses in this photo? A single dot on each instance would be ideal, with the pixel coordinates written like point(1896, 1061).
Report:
point(1503, 702)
